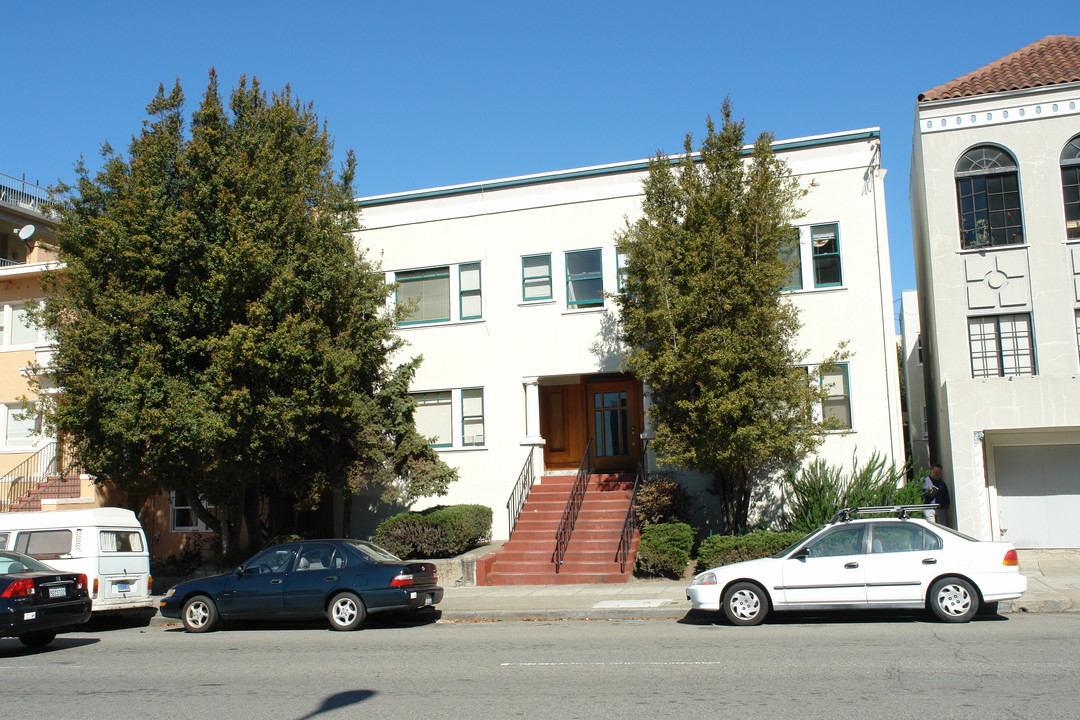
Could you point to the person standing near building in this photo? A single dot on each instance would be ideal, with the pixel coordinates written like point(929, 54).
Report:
point(936, 493)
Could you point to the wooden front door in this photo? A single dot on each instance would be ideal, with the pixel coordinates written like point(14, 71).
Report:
point(606, 411)
point(613, 409)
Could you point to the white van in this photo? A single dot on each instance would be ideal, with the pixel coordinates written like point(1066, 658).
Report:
point(107, 544)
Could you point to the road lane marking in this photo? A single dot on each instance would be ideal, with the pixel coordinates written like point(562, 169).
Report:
point(647, 603)
point(603, 664)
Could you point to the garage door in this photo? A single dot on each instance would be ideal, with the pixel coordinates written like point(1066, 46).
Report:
point(1038, 489)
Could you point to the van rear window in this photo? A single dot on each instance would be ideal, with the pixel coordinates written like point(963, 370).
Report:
point(121, 541)
point(44, 543)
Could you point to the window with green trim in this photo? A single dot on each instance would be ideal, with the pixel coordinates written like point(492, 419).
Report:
point(838, 404)
point(584, 279)
point(825, 245)
point(470, 306)
point(429, 289)
point(536, 278)
point(472, 417)
point(434, 417)
point(620, 270)
point(790, 252)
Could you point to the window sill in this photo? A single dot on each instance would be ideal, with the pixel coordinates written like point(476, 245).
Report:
point(990, 248)
point(460, 449)
point(534, 303)
point(814, 290)
point(584, 311)
point(445, 323)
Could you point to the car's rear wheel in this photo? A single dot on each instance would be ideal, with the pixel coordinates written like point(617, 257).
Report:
point(37, 639)
point(199, 614)
point(346, 611)
point(953, 599)
point(745, 604)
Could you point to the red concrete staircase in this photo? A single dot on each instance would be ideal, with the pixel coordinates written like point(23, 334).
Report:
point(527, 557)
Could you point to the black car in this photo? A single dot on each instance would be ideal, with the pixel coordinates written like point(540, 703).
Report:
point(341, 579)
point(37, 602)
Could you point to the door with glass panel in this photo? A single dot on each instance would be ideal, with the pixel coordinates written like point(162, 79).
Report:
point(613, 411)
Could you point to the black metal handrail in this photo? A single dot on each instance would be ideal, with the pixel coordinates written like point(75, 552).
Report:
point(630, 524)
point(573, 507)
point(524, 484)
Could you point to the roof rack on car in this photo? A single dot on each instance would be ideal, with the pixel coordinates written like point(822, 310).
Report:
point(901, 511)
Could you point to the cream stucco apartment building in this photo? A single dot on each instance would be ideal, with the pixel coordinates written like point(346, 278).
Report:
point(995, 192)
point(522, 364)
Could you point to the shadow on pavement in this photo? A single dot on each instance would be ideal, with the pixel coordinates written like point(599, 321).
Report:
point(835, 617)
point(12, 647)
point(376, 621)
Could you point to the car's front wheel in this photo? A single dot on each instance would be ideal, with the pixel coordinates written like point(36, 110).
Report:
point(37, 639)
point(953, 599)
point(346, 611)
point(199, 614)
point(745, 604)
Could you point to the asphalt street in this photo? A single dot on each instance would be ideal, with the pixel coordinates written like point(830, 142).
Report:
point(842, 666)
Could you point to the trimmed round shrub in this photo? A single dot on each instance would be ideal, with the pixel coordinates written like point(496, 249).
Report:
point(437, 532)
point(664, 550)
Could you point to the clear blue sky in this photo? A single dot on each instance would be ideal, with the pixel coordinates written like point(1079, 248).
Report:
point(440, 93)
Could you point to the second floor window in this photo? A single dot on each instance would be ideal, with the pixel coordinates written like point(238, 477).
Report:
point(536, 278)
point(825, 240)
point(1001, 345)
point(429, 292)
point(988, 194)
point(1070, 187)
point(584, 279)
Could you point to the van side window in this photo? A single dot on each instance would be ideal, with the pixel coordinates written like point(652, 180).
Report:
point(44, 543)
point(3, 541)
point(120, 541)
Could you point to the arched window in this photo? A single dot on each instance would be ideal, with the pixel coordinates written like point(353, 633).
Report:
point(988, 192)
point(1070, 187)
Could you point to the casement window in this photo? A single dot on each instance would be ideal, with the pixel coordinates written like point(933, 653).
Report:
point(825, 250)
point(472, 417)
point(1001, 345)
point(925, 424)
point(1070, 187)
point(182, 517)
point(435, 415)
point(20, 425)
point(470, 303)
point(791, 253)
point(584, 279)
point(838, 403)
point(536, 278)
point(988, 195)
point(620, 270)
point(918, 350)
point(428, 291)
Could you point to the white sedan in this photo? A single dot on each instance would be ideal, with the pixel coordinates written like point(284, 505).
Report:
point(893, 563)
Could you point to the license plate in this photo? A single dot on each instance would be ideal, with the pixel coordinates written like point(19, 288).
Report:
point(57, 592)
point(429, 599)
point(29, 616)
point(123, 587)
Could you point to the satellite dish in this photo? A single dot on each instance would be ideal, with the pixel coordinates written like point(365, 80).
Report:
point(26, 232)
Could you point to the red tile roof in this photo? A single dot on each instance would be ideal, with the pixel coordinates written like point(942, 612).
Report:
point(1050, 61)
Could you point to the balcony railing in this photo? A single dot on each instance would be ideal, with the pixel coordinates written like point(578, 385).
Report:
point(23, 194)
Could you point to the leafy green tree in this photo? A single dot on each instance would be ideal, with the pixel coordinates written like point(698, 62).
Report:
point(217, 332)
point(704, 320)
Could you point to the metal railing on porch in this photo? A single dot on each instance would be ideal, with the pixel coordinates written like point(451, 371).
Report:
point(630, 524)
point(573, 507)
point(524, 484)
point(20, 193)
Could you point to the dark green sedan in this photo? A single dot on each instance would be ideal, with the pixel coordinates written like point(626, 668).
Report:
point(342, 580)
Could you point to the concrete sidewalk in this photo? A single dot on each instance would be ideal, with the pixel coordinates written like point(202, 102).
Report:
point(1053, 586)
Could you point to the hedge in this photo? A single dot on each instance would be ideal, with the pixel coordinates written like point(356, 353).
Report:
point(437, 532)
point(726, 549)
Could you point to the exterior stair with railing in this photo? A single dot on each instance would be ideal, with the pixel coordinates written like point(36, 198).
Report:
point(39, 477)
point(527, 558)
